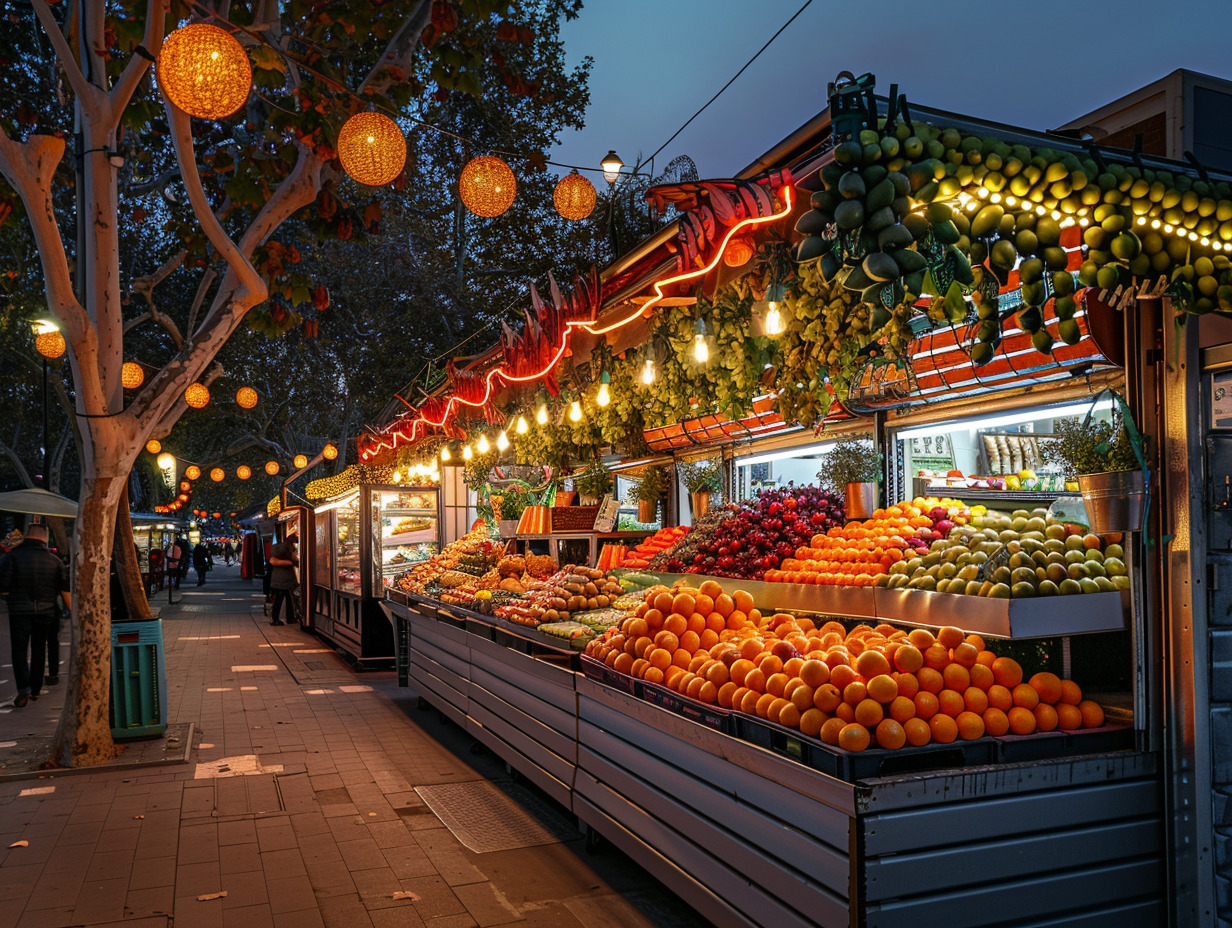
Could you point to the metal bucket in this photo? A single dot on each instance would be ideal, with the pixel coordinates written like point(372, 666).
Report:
point(1116, 501)
point(861, 500)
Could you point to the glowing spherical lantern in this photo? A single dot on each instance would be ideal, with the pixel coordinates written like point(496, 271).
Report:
point(301, 461)
point(739, 252)
point(272, 468)
point(243, 472)
point(131, 375)
point(217, 474)
point(372, 149)
point(246, 397)
point(329, 452)
point(153, 446)
point(50, 345)
point(487, 186)
point(218, 515)
point(185, 486)
point(193, 472)
point(204, 71)
point(166, 461)
point(197, 395)
point(574, 197)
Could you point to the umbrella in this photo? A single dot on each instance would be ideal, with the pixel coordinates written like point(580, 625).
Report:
point(37, 502)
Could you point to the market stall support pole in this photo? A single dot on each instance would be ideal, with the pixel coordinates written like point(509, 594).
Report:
point(46, 448)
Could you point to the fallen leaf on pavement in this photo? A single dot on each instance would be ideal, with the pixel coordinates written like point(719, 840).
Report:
point(210, 896)
point(20, 844)
point(405, 894)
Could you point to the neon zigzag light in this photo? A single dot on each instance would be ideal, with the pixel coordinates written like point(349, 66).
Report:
point(426, 422)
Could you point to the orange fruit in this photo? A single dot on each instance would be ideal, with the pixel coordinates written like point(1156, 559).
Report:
point(811, 721)
point(950, 637)
point(975, 699)
point(975, 640)
point(872, 663)
point(837, 656)
point(841, 676)
point(1048, 685)
point(1000, 698)
point(726, 692)
point(868, 712)
point(775, 683)
point(917, 732)
point(789, 715)
point(667, 641)
point(770, 665)
point(908, 685)
point(663, 602)
point(853, 737)
point(1046, 718)
point(921, 638)
point(639, 667)
point(659, 659)
point(1071, 692)
point(636, 628)
point(982, 677)
point(684, 604)
point(956, 677)
point(950, 702)
point(748, 702)
point(1022, 721)
point(908, 658)
point(890, 735)
point(970, 726)
point(671, 676)
point(714, 622)
point(763, 704)
point(814, 673)
point(926, 705)
point(750, 648)
point(1007, 671)
point(690, 642)
point(676, 624)
point(743, 601)
point(943, 728)
point(755, 679)
point(652, 675)
point(724, 605)
point(801, 696)
point(792, 666)
point(930, 680)
point(654, 618)
point(846, 712)
point(936, 657)
point(986, 658)
point(776, 708)
point(965, 654)
point(694, 689)
point(696, 623)
point(1025, 695)
point(901, 709)
point(698, 661)
point(710, 588)
point(703, 603)
point(790, 686)
point(827, 697)
point(854, 693)
point(1092, 714)
point(708, 638)
point(995, 722)
point(830, 730)
point(1069, 717)
point(623, 663)
point(682, 658)
point(882, 688)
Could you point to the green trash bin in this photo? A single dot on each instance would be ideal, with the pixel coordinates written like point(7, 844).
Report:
point(138, 679)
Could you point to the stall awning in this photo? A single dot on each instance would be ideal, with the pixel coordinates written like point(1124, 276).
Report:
point(36, 502)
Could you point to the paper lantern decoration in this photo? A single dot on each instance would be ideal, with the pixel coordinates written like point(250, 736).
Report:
point(301, 461)
point(185, 486)
point(50, 345)
point(246, 397)
point(487, 186)
point(217, 474)
point(271, 468)
point(243, 472)
point(197, 395)
point(218, 515)
point(183, 497)
point(372, 149)
point(574, 197)
point(204, 71)
point(329, 452)
point(131, 375)
point(739, 252)
point(153, 446)
point(193, 472)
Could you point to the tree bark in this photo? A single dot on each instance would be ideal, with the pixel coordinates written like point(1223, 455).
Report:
point(128, 566)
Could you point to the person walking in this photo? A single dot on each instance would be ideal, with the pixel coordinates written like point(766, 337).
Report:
point(284, 561)
point(32, 581)
point(201, 562)
point(185, 560)
point(171, 563)
point(228, 551)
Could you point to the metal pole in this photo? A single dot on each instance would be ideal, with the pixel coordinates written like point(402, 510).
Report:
point(46, 447)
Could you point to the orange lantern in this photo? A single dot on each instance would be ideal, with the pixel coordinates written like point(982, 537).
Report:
point(192, 472)
point(372, 149)
point(185, 486)
point(246, 397)
point(243, 472)
point(271, 468)
point(183, 497)
point(153, 446)
point(197, 395)
point(329, 452)
point(204, 71)
point(301, 461)
point(574, 197)
point(218, 515)
point(487, 186)
point(739, 252)
point(131, 375)
point(50, 345)
point(217, 474)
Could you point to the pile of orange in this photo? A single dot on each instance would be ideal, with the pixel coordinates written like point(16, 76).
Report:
point(854, 689)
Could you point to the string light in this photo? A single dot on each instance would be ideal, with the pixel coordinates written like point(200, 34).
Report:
point(522, 426)
point(300, 461)
point(542, 415)
point(648, 371)
point(243, 472)
point(482, 445)
point(272, 468)
point(445, 455)
point(604, 396)
point(166, 461)
point(575, 412)
point(502, 441)
point(701, 350)
point(467, 453)
point(197, 395)
point(246, 398)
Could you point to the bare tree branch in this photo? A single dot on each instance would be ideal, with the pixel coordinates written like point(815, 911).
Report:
point(134, 71)
point(86, 92)
point(401, 48)
point(15, 459)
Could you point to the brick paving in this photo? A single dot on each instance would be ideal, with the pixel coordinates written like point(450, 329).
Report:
point(298, 802)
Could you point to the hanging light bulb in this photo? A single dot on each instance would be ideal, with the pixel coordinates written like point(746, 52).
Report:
point(522, 426)
point(575, 412)
point(772, 314)
point(701, 349)
point(467, 453)
point(542, 415)
point(445, 455)
point(482, 445)
point(604, 396)
point(648, 372)
point(397, 476)
point(502, 441)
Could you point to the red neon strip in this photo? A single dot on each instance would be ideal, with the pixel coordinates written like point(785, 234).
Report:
point(786, 193)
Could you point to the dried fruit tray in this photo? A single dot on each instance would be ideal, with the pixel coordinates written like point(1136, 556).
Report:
point(574, 518)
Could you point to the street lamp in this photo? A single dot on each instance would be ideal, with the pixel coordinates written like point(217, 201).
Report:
point(49, 342)
point(611, 165)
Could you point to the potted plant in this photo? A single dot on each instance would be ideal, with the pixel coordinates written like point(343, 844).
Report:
point(1108, 459)
point(593, 484)
point(510, 502)
point(853, 468)
point(701, 478)
point(648, 490)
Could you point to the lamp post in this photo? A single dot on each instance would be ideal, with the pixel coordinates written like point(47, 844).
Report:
point(611, 165)
point(50, 344)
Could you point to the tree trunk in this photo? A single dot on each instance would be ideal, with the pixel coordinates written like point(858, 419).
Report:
point(59, 537)
point(83, 738)
point(128, 565)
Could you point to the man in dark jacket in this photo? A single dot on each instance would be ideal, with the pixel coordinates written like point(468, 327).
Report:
point(32, 580)
point(202, 562)
point(283, 579)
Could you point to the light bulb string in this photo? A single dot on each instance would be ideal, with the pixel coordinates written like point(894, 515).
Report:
point(498, 372)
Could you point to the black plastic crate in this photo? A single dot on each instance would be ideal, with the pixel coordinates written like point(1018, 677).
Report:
point(597, 670)
point(701, 712)
point(1012, 749)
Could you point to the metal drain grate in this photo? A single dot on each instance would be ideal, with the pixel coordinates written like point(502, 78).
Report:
point(488, 817)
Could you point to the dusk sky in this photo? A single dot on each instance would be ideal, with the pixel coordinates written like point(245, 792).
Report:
point(1037, 65)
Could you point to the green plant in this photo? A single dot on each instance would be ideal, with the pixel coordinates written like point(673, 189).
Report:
point(514, 498)
point(476, 471)
point(702, 476)
point(852, 460)
point(651, 486)
point(1091, 447)
point(596, 481)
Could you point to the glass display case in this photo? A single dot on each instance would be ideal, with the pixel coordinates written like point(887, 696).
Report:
point(406, 530)
point(347, 546)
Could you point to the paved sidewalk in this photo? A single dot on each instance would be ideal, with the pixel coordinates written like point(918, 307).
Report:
point(298, 803)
